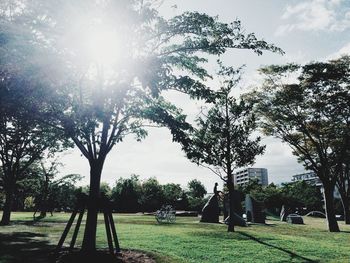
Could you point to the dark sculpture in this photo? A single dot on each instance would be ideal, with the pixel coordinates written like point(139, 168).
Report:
point(211, 210)
point(295, 219)
point(254, 210)
point(238, 210)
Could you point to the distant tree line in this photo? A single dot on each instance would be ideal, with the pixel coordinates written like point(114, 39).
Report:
point(41, 192)
point(300, 196)
point(130, 195)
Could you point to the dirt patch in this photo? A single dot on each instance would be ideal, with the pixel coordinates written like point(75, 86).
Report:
point(125, 256)
point(136, 257)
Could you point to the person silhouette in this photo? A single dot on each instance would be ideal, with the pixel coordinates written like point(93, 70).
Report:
point(216, 192)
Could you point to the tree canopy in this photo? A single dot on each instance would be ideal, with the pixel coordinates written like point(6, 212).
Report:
point(308, 108)
point(98, 68)
point(223, 138)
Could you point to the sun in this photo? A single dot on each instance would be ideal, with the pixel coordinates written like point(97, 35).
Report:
point(95, 46)
point(103, 47)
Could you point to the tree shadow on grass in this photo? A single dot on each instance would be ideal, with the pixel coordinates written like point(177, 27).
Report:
point(23, 247)
point(290, 253)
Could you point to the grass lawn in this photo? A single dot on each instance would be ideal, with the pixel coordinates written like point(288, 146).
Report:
point(186, 241)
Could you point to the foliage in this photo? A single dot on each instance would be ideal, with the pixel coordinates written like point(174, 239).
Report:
point(196, 192)
point(223, 140)
point(223, 137)
point(172, 194)
point(105, 189)
point(23, 140)
point(126, 194)
point(302, 194)
point(29, 204)
point(97, 112)
point(296, 195)
point(183, 203)
point(54, 193)
point(95, 106)
point(196, 189)
point(252, 186)
point(196, 204)
point(311, 113)
point(152, 197)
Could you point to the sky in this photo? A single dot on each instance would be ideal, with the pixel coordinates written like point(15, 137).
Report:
point(307, 30)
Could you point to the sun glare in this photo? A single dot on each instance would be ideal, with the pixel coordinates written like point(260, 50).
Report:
point(103, 47)
point(97, 46)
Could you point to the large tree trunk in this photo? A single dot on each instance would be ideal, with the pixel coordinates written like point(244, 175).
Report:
point(230, 186)
point(329, 203)
point(89, 241)
point(6, 215)
point(346, 207)
point(44, 201)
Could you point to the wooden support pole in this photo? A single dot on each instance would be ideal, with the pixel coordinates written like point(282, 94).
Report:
point(76, 230)
point(66, 230)
point(108, 232)
point(114, 232)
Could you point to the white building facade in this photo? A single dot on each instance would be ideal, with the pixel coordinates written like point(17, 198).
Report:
point(244, 176)
point(309, 177)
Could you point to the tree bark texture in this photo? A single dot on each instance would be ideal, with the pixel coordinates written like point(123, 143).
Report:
point(329, 203)
point(89, 241)
point(230, 186)
point(6, 215)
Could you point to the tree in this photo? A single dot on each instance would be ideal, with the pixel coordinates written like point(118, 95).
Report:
point(196, 189)
point(126, 194)
point(152, 195)
point(196, 192)
point(22, 141)
point(98, 105)
point(105, 189)
point(172, 193)
point(222, 142)
point(272, 198)
point(299, 195)
point(50, 188)
point(63, 192)
point(251, 187)
point(311, 114)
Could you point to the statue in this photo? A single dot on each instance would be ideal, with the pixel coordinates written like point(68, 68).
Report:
point(211, 210)
point(238, 210)
point(254, 210)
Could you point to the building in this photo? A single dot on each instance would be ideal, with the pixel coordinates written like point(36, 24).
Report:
point(309, 177)
point(242, 177)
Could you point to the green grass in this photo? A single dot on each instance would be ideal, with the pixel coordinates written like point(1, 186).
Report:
point(186, 241)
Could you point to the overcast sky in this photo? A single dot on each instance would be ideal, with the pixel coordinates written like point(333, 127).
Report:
point(306, 30)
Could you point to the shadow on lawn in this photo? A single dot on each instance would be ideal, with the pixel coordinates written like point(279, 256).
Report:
point(24, 247)
point(290, 253)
